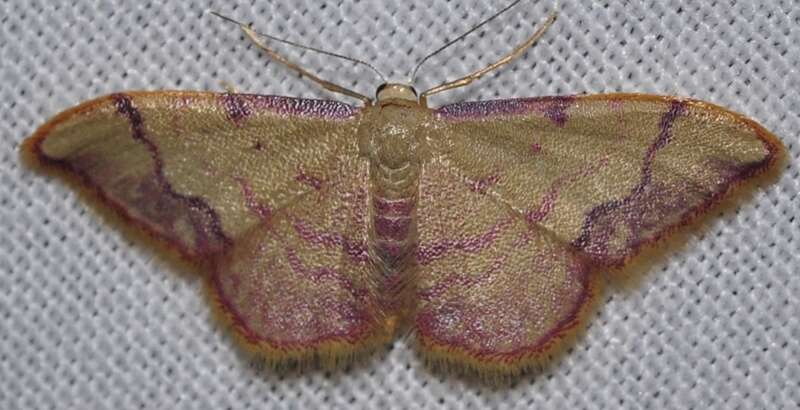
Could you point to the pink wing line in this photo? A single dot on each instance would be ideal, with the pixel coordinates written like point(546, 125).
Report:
point(557, 187)
point(143, 154)
point(485, 299)
point(635, 167)
point(300, 283)
point(268, 192)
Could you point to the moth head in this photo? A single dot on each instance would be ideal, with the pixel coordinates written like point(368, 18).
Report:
point(387, 91)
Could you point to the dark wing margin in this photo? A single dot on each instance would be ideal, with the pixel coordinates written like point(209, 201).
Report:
point(179, 164)
point(606, 173)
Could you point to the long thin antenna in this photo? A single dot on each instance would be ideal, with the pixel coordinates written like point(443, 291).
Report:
point(511, 56)
point(459, 38)
point(254, 37)
point(302, 46)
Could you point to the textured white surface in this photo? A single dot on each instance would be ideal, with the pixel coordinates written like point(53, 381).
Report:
point(89, 321)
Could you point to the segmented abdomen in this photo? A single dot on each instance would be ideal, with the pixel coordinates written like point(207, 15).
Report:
point(393, 232)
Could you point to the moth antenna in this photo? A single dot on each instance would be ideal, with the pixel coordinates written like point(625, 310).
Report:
point(459, 38)
point(254, 37)
point(511, 56)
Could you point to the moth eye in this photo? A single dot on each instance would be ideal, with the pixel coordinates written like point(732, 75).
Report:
point(382, 86)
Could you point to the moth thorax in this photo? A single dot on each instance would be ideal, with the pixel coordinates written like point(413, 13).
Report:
point(396, 154)
point(388, 136)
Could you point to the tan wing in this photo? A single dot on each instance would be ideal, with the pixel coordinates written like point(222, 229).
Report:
point(300, 285)
point(177, 163)
point(269, 190)
point(605, 173)
point(524, 198)
point(495, 293)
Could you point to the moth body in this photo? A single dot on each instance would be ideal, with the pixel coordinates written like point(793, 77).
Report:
point(482, 226)
point(391, 138)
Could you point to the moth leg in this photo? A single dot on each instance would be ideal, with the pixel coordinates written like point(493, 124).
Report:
point(511, 56)
point(229, 87)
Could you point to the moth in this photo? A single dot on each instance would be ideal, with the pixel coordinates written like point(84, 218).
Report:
point(327, 228)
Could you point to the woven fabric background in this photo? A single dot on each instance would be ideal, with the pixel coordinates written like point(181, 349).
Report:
point(90, 320)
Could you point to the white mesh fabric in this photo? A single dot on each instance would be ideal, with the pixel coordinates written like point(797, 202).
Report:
point(89, 321)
